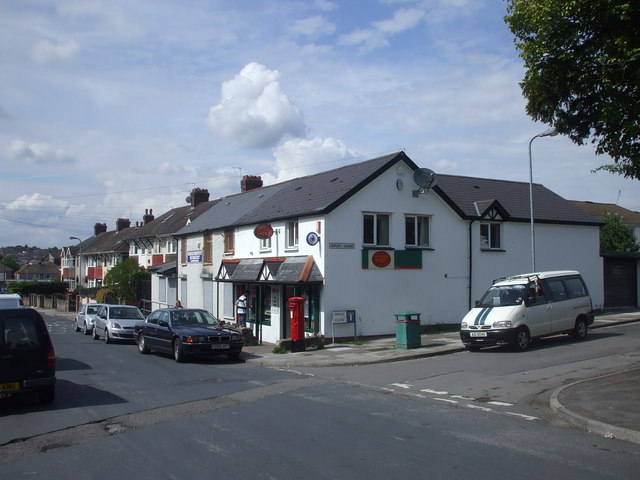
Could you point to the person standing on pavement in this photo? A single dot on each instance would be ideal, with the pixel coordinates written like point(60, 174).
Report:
point(241, 306)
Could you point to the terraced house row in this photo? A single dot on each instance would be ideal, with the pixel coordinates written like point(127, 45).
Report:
point(359, 243)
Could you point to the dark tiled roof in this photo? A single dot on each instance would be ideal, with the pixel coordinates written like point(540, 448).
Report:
point(468, 196)
point(629, 217)
point(314, 194)
point(170, 222)
point(114, 241)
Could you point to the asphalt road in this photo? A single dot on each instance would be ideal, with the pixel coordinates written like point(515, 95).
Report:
point(122, 414)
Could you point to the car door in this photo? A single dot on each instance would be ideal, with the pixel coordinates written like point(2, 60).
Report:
point(101, 321)
point(150, 330)
point(164, 334)
point(537, 307)
point(562, 313)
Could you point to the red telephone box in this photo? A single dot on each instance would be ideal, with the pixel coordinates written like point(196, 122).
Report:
point(296, 314)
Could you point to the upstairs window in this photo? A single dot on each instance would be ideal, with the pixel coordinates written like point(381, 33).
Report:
point(207, 249)
point(490, 238)
point(416, 229)
point(292, 234)
point(375, 228)
point(229, 241)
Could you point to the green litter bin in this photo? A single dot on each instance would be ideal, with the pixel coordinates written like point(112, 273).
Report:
point(407, 329)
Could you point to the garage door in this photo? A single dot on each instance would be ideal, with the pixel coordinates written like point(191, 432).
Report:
point(620, 282)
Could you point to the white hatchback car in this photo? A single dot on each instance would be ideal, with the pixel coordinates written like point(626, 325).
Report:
point(86, 317)
point(116, 322)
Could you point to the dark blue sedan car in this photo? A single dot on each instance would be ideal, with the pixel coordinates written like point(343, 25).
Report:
point(184, 332)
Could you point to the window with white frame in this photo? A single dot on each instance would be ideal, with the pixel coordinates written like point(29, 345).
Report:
point(375, 228)
point(490, 236)
point(292, 234)
point(172, 245)
point(416, 229)
point(265, 244)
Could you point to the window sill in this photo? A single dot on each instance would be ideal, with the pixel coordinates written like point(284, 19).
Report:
point(485, 249)
point(409, 247)
point(377, 247)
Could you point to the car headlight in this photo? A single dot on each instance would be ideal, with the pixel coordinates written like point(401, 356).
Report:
point(236, 338)
point(463, 325)
point(115, 325)
point(193, 339)
point(502, 324)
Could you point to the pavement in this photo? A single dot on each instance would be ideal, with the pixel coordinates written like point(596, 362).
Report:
point(606, 405)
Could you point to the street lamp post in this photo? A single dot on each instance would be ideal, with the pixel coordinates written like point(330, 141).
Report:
point(552, 132)
point(79, 270)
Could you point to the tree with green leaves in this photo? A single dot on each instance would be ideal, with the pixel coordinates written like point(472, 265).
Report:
point(124, 278)
point(615, 236)
point(10, 262)
point(582, 60)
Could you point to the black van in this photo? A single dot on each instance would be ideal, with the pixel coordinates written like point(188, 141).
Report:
point(27, 357)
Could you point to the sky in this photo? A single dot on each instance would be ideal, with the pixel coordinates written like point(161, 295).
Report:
point(112, 107)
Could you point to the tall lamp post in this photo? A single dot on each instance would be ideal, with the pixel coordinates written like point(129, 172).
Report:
point(79, 270)
point(552, 132)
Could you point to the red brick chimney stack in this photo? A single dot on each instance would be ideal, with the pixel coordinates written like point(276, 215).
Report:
point(250, 182)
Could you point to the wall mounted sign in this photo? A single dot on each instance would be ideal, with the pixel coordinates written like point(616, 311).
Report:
point(312, 238)
point(194, 256)
point(344, 246)
point(263, 231)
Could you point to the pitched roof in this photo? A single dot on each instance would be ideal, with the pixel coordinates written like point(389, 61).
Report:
point(318, 194)
point(468, 195)
point(170, 222)
point(313, 194)
point(628, 217)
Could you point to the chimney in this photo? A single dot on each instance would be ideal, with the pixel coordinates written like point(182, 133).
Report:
point(250, 182)
point(99, 228)
point(198, 196)
point(148, 216)
point(122, 223)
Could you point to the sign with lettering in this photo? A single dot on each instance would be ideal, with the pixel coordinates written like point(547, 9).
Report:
point(194, 256)
point(344, 316)
point(344, 246)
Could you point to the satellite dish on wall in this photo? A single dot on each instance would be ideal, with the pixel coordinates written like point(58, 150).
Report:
point(425, 179)
point(188, 199)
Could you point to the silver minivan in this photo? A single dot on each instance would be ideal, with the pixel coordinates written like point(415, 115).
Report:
point(519, 308)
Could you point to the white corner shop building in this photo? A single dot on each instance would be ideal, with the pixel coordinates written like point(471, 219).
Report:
point(364, 242)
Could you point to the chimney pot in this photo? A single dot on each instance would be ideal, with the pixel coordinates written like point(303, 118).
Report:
point(250, 182)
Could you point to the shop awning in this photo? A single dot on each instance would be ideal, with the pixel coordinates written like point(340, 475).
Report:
point(300, 269)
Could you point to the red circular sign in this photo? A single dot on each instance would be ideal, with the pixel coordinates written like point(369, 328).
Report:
point(263, 231)
point(381, 259)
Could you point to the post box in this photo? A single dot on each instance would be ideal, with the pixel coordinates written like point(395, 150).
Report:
point(296, 314)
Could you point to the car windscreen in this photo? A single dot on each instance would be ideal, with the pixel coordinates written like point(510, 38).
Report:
point(499, 296)
point(193, 317)
point(92, 310)
point(126, 313)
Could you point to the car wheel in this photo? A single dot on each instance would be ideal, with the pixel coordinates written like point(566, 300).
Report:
point(46, 395)
point(234, 357)
point(142, 348)
point(95, 333)
point(86, 329)
point(580, 330)
point(178, 352)
point(521, 340)
point(107, 339)
point(77, 327)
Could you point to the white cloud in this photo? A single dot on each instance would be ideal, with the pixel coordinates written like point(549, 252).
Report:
point(313, 26)
point(377, 36)
point(45, 51)
point(300, 157)
point(253, 110)
point(37, 153)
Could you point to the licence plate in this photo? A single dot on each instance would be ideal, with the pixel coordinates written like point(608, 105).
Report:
point(9, 387)
point(220, 346)
point(478, 334)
